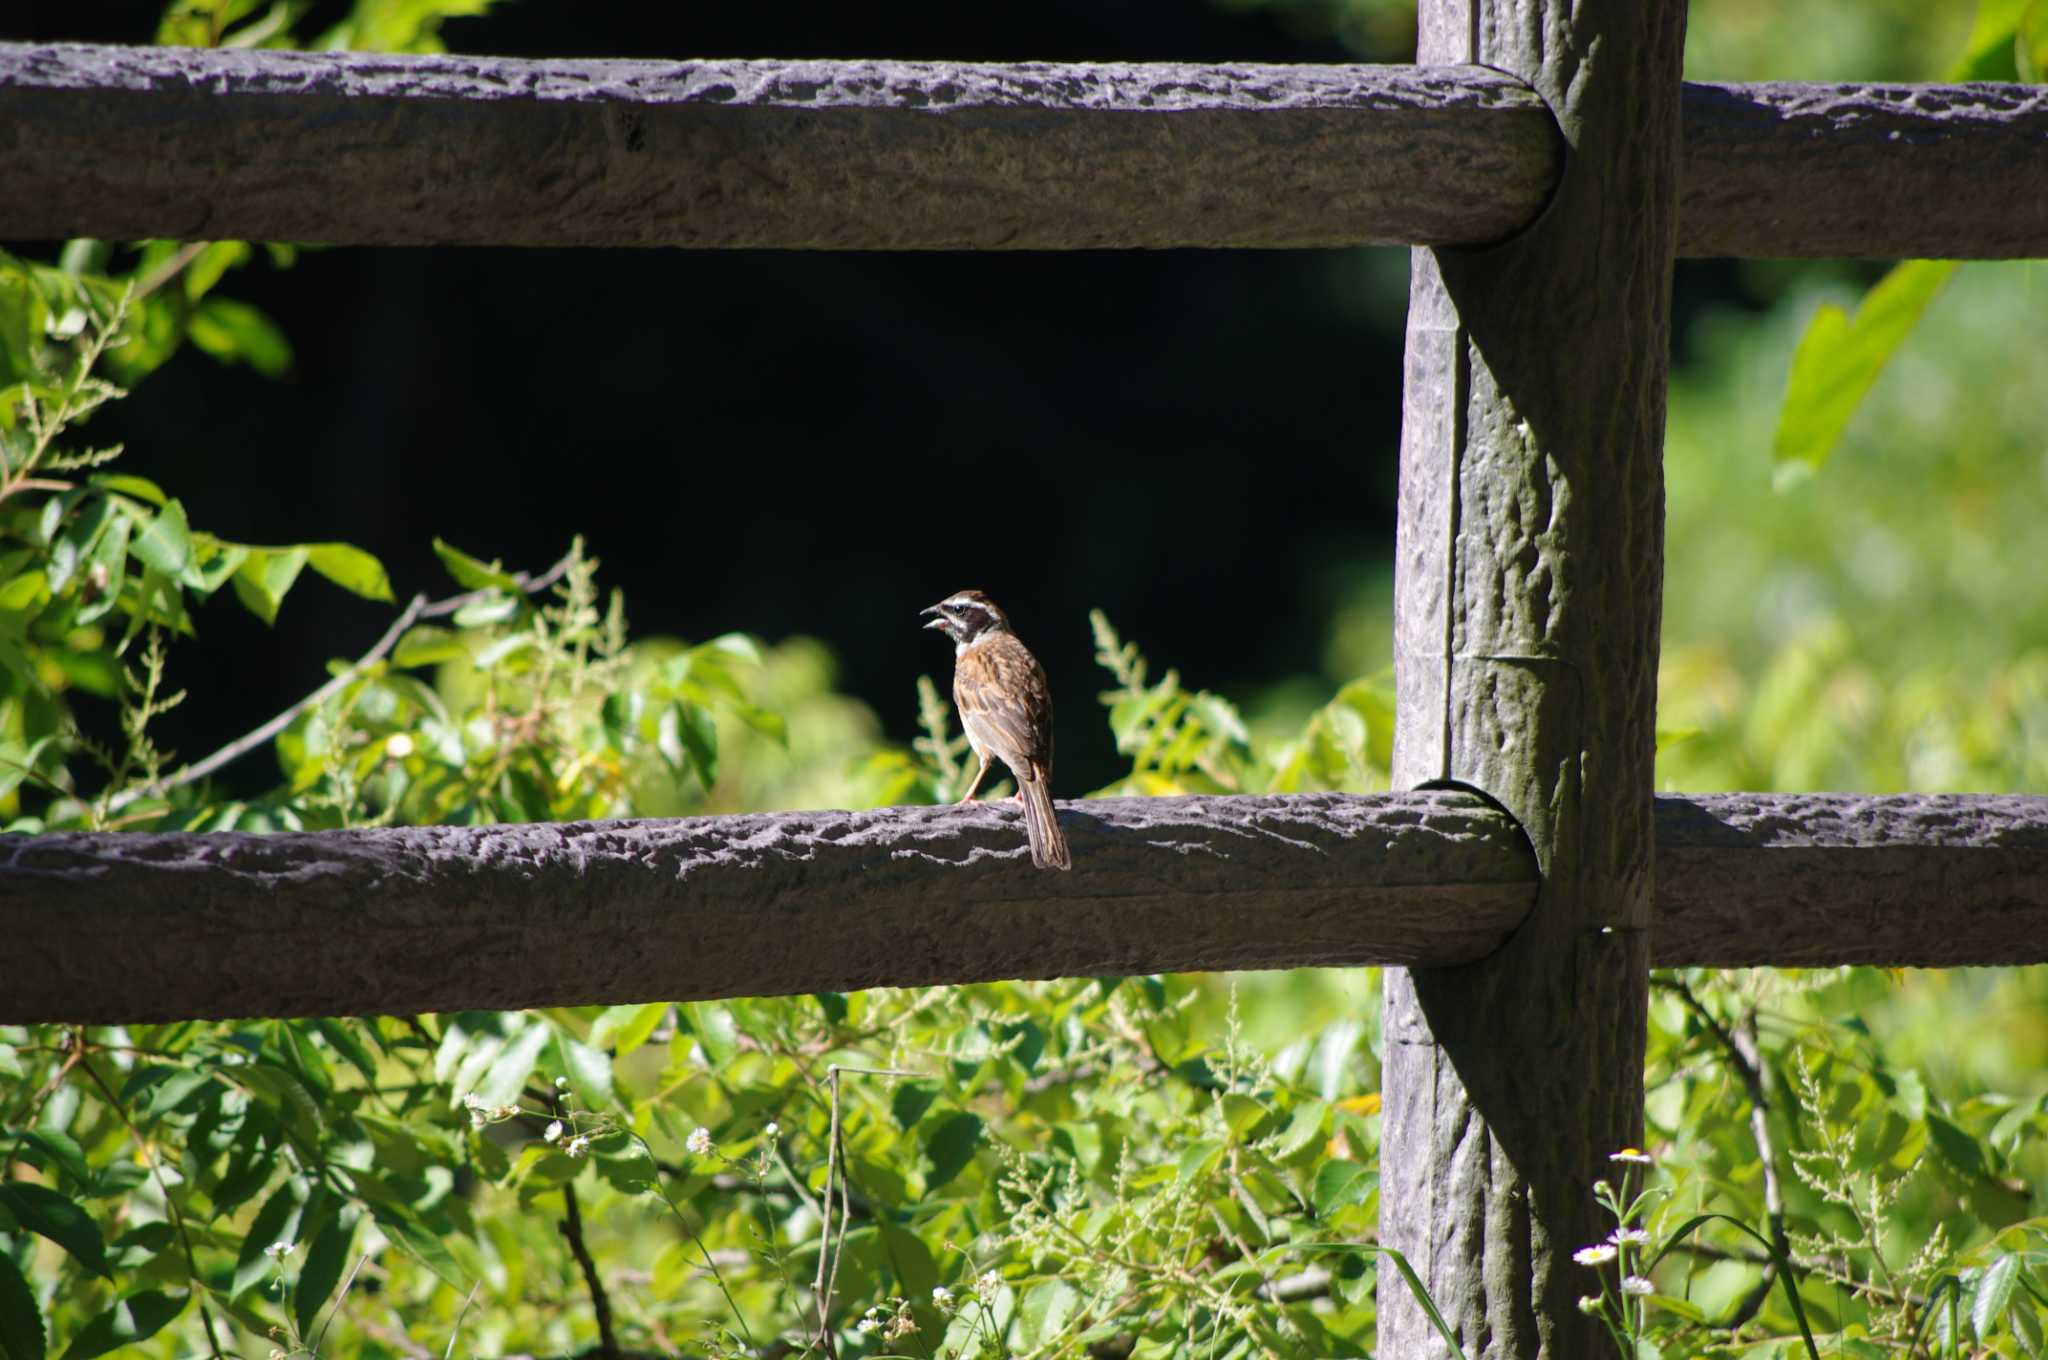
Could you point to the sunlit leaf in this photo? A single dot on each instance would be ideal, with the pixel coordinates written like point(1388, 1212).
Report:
point(165, 542)
point(1839, 358)
point(1339, 1184)
point(264, 577)
point(473, 573)
point(350, 568)
point(235, 331)
point(1994, 1294)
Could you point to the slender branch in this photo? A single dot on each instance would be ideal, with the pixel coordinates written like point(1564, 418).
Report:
point(248, 742)
point(170, 1201)
point(571, 1228)
point(828, 1265)
point(170, 269)
point(1745, 1055)
point(1750, 1063)
point(416, 609)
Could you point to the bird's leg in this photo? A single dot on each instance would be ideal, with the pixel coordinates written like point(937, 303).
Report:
point(979, 775)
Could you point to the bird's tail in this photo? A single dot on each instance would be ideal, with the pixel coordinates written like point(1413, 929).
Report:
point(1048, 842)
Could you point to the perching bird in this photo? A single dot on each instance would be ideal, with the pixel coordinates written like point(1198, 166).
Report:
point(1006, 707)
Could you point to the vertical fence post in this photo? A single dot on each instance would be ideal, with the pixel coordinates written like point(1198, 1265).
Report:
point(1528, 591)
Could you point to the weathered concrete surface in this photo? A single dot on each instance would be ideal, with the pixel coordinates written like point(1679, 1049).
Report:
point(132, 927)
point(362, 149)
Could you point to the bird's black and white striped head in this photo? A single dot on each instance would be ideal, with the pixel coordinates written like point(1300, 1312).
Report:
point(967, 617)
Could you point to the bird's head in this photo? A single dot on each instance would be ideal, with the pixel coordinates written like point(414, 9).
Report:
point(967, 616)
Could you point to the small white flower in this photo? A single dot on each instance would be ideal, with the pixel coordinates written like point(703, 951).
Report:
point(1637, 1285)
point(1636, 1155)
point(988, 1286)
point(942, 1297)
point(398, 746)
point(277, 1251)
point(902, 1325)
point(699, 1141)
point(871, 1324)
point(474, 1101)
point(772, 1129)
point(561, 1083)
point(577, 1146)
point(553, 1131)
point(505, 1112)
point(1598, 1255)
point(478, 1118)
point(1629, 1237)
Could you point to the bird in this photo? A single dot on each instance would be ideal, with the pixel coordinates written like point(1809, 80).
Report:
point(1006, 706)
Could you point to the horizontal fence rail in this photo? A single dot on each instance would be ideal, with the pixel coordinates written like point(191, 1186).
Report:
point(130, 927)
point(361, 149)
point(864, 155)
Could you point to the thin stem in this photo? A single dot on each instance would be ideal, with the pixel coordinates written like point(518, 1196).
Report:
point(164, 1189)
point(571, 1228)
point(828, 1264)
point(416, 609)
point(170, 269)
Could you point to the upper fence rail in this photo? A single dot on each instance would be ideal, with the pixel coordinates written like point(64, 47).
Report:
point(135, 926)
point(362, 149)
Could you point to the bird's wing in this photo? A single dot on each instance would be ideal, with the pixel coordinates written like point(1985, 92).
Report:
point(1002, 695)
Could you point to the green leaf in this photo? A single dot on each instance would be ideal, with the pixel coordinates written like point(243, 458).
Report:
point(110, 558)
point(27, 589)
point(1043, 1311)
point(413, 1236)
point(427, 645)
point(506, 1078)
point(352, 569)
point(1304, 1129)
point(1955, 1149)
point(58, 1150)
point(277, 1221)
point(2030, 43)
point(134, 1319)
point(1838, 358)
point(48, 1214)
point(21, 1325)
point(504, 649)
point(951, 1147)
point(471, 573)
point(625, 1028)
point(589, 1070)
point(322, 1271)
point(342, 1039)
point(264, 577)
point(1198, 1159)
point(1990, 52)
point(236, 332)
point(1994, 1292)
point(688, 739)
point(716, 1030)
point(911, 1100)
point(1341, 1184)
point(141, 488)
point(165, 542)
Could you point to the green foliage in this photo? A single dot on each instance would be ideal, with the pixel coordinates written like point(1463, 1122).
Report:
point(1135, 1167)
point(1192, 741)
point(1839, 358)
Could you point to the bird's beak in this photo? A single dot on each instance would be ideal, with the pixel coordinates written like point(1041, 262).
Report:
point(939, 622)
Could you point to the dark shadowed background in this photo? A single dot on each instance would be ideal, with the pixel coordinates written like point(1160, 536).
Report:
point(1200, 443)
